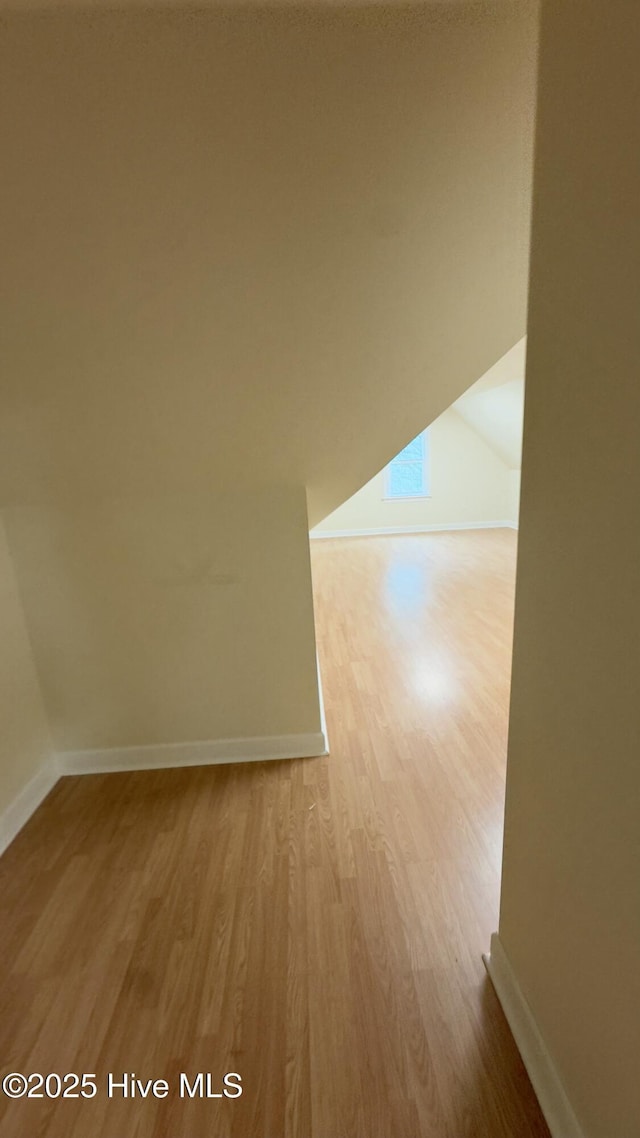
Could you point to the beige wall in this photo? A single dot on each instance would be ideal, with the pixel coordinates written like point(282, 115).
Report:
point(25, 745)
point(494, 406)
point(222, 233)
point(175, 619)
point(513, 495)
point(469, 484)
point(242, 232)
point(570, 913)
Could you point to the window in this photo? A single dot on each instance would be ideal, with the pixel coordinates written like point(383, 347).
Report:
point(407, 475)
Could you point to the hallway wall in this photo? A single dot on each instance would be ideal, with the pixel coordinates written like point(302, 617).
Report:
point(570, 912)
point(270, 239)
point(223, 229)
point(25, 743)
point(162, 620)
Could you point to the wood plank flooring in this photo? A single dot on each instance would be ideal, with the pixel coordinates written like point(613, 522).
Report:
point(315, 925)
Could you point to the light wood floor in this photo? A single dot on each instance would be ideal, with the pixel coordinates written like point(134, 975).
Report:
point(316, 925)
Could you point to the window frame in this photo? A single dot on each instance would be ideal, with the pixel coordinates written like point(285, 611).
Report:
point(425, 489)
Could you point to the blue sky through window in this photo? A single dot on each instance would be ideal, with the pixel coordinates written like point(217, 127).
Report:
point(407, 475)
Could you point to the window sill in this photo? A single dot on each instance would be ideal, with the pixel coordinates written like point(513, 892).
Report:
point(406, 497)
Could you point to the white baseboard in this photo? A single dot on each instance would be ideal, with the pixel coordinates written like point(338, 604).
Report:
point(153, 757)
point(204, 753)
point(323, 720)
point(26, 802)
point(211, 752)
point(545, 1079)
point(379, 531)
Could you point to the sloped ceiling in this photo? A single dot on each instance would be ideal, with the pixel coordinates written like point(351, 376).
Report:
point(257, 245)
point(494, 406)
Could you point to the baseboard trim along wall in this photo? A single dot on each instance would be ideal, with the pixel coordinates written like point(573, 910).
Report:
point(323, 718)
point(206, 753)
point(153, 757)
point(379, 531)
point(26, 802)
point(546, 1082)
